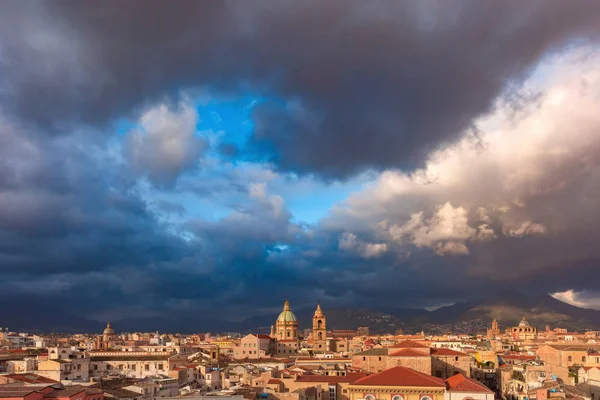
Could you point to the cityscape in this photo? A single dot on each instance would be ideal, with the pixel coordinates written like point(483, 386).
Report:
point(299, 199)
point(515, 362)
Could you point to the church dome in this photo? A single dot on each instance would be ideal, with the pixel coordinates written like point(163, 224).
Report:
point(523, 323)
point(109, 330)
point(286, 315)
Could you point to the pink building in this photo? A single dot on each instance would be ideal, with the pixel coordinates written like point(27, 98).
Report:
point(253, 346)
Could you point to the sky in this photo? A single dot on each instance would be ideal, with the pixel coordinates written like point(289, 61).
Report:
point(215, 158)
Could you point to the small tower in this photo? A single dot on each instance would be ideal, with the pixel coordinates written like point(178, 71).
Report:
point(273, 334)
point(319, 331)
point(495, 326)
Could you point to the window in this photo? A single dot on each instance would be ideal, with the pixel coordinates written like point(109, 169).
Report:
point(369, 397)
point(425, 398)
point(147, 367)
point(133, 367)
point(121, 367)
point(108, 367)
point(160, 367)
point(456, 359)
point(397, 397)
point(331, 392)
point(379, 358)
point(569, 359)
point(583, 359)
point(597, 360)
point(364, 358)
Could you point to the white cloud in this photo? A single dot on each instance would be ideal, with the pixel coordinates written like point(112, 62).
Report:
point(529, 171)
point(583, 299)
point(350, 242)
point(446, 231)
point(165, 144)
point(525, 228)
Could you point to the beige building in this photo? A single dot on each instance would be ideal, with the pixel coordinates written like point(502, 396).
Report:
point(76, 369)
point(441, 362)
point(253, 346)
point(559, 357)
point(134, 364)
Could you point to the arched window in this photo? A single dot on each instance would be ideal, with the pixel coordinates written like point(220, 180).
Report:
point(397, 397)
point(319, 323)
point(570, 359)
point(425, 398)
point(320, 334)
point(369, 397)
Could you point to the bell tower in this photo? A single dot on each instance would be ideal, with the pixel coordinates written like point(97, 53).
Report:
point(319, 331)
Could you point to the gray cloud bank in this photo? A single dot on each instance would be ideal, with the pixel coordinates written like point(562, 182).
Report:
point(461, 204)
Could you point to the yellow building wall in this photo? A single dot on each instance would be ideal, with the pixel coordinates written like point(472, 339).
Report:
point(388, 392)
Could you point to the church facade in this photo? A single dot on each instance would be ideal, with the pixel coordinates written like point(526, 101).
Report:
point(286, 334)
point(523, 331)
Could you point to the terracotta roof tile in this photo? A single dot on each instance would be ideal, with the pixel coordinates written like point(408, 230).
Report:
point(401, 376)
point(460, 383)
point(408, 353)
point(447, 352)
point(30, 378)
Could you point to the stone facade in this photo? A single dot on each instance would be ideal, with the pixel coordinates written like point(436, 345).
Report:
point(418, 363)
point(373, 360)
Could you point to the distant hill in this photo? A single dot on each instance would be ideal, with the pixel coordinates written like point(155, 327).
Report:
point(473, 316)
point(507, 307)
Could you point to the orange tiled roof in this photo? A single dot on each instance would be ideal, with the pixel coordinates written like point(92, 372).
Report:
point(30, 378)
point(401, 376)
point(447, 352)
point(460, 383)
point(408, 353)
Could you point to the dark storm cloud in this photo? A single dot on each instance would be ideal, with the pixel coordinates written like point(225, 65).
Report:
point(348, 86)
point(345, 85)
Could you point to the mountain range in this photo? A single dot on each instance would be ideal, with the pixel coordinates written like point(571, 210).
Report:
point(506, 307)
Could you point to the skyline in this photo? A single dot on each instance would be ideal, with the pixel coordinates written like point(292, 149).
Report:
point(213, 159)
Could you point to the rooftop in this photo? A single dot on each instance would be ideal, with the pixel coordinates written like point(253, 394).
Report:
point(401, 376)
point(374, 352)
point(460, 383)
point(408, 353)
point(406, 344)
point(447, 352)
